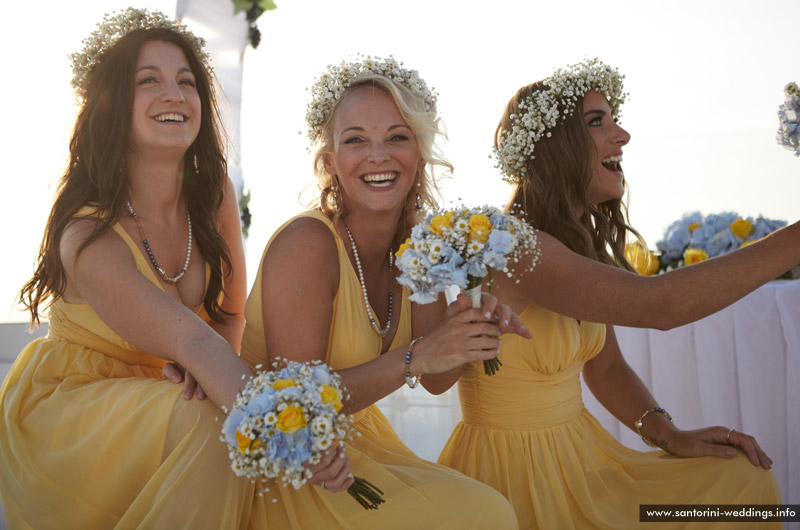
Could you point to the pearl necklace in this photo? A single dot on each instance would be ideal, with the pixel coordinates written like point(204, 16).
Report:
point(158, 267)
point(372, 317)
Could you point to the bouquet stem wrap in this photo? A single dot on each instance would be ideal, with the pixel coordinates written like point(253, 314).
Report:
point(490, 366)
point(474, 295)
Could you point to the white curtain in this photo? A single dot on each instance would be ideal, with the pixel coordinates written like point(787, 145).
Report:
point(226, 39)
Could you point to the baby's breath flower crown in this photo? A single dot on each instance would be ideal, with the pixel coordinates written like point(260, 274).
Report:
point(545, 108)
point(332, 83)
point(115, 26)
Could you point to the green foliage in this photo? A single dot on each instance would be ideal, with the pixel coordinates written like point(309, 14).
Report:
point(258, 7)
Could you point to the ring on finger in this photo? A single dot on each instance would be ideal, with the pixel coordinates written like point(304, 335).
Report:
point(323, 485)
point(728, 436)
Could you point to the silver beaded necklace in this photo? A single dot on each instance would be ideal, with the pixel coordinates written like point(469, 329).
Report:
point(161, 271)
point(372, 318)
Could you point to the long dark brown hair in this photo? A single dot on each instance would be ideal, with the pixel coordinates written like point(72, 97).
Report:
point(96, 173)
point(553, 192)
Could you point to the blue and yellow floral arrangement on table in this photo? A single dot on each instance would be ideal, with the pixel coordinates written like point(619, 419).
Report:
point(694, 237)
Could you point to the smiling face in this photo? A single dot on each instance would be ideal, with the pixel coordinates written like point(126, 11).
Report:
point(166, 106)
point(375, 157)
point(608, 180)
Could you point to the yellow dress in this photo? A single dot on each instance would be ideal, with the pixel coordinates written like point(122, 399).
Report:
point(93, 437)
point(525, 432)
point(419, 494)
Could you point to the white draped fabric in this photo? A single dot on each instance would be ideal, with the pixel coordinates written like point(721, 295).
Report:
point(739, 367)
point(226, 39)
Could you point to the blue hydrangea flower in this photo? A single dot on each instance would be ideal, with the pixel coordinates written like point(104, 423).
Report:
point(677, 236)
point(501, 241)
point(712, 234)
point(234, 419)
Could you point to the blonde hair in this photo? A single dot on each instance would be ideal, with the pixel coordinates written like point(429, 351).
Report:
point(425, 126)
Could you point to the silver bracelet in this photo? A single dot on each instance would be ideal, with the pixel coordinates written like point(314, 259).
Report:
point(411, 381)
point(638, 423)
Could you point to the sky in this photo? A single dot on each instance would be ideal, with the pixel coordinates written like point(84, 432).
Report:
point(705, 80)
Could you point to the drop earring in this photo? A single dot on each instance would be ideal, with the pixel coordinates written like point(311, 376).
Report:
point(419, 198)
point(196, 165)
point(332, 190)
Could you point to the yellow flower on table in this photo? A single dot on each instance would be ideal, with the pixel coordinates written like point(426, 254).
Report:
point(331, 397)
point(479, 227)
point(644, 261)
point(746, 243)
point(291, 419)
point(742, 228)
point(694, 255)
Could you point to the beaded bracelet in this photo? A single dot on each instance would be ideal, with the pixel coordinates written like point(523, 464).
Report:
point(638, 423)
point(411, 381)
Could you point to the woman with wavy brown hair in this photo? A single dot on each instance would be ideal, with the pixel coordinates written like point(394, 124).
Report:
point(141, 264)
point(524, 430)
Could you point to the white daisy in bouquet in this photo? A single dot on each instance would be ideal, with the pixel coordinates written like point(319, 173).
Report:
point(287, 418)
point(459, 247)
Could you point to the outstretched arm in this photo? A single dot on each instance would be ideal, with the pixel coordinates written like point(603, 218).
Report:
point(572, 285)
point(105, 273)
point(617, 387)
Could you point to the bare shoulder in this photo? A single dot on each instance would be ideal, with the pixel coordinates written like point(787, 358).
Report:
point(106, 256)
point(230, 203)
point(304, 250)
point(75, 235)
point(305, 237)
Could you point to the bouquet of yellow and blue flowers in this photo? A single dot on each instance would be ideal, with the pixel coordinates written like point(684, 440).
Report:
point(459, 247)
point(286, 418)
point(696, 237)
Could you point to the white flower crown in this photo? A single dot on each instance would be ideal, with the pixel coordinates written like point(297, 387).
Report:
point(789, 119)
point(543, 109)
point(115, 26)
point(331, 84)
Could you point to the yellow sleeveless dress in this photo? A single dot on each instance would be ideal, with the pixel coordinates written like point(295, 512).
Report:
point(93, 437)
point(419, 494)
point(526, 432)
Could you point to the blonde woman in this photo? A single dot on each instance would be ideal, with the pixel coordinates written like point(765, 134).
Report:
point(326, 290)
